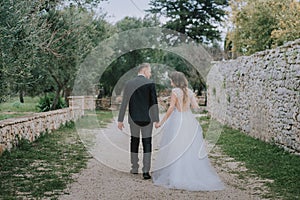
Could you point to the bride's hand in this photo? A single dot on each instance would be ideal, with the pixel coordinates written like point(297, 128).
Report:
point(157, 124)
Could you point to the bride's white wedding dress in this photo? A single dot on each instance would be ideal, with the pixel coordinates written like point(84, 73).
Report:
point(182, 162)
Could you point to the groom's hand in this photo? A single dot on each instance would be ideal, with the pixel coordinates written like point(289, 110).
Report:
point(121, 125)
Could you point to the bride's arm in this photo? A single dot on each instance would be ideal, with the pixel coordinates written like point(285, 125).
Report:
point(170, 109)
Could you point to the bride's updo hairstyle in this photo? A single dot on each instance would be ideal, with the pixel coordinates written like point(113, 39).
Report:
point(179, 80)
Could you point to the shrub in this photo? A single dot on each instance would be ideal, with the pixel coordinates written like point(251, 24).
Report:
point(45, 103)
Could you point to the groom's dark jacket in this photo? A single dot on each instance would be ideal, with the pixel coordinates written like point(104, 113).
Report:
point(140, 94)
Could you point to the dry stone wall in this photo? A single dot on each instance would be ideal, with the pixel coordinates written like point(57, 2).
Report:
point(31, 127)
point(260, 94)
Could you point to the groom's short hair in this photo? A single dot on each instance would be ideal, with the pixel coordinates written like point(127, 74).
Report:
point(143, 66)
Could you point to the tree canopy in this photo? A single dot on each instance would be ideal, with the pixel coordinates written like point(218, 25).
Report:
point(198, 19)
point(42, 43)
point(156, 56)
point(258, 25)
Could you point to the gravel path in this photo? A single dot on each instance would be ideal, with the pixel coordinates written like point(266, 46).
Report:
point(98, 181)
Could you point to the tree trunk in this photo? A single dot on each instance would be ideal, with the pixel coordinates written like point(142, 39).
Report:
point(67, 93)
point(21, 96)
point(55, 100)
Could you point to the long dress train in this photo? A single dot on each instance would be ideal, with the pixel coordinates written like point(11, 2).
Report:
point(182, 161)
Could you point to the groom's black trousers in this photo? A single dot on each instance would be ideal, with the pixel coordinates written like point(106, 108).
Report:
point(144, 129)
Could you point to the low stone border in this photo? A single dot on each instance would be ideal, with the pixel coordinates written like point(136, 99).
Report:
point(31, 127)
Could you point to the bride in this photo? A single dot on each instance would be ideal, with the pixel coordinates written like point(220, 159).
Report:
point(182, 161)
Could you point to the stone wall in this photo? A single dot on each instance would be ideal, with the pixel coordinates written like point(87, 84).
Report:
point(260, 94)
point(30, 127)
point(82, 102)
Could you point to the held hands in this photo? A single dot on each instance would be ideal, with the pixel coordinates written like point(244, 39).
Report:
point(121, 125)
point(157, 124)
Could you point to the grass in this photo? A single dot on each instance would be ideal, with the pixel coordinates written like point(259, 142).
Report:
point(265, 160)
point(13, 107)
point(92, 120)
point(95, 119)
point(42, 169)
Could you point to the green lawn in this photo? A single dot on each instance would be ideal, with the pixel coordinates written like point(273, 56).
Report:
point(265, 160)
point(13, 107)
point(95, 119)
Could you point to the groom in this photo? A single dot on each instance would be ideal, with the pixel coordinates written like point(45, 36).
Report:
point(140, 94)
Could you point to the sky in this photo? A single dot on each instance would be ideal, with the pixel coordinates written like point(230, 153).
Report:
point(118, 9)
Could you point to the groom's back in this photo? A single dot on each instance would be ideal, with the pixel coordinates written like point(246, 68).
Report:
point(141, 98)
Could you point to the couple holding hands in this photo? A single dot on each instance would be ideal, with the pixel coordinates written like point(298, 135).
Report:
point(182, 161)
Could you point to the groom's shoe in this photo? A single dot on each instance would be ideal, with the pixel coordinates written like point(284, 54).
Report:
point(146, 175)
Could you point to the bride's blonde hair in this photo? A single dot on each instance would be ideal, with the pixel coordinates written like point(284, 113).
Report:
point(179, 80)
